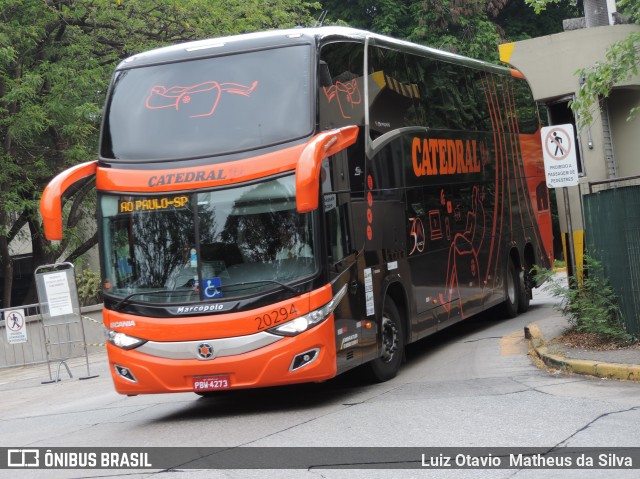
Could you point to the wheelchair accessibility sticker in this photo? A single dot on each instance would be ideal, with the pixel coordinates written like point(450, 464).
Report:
point(212, 288)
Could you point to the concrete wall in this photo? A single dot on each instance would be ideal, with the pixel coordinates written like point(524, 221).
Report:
point(626, 134)
point(550, 62)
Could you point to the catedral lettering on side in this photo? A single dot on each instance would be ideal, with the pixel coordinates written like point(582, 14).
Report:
point(438, 156)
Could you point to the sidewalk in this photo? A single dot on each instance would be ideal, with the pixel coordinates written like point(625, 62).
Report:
point(36, 375)
point(621, 364)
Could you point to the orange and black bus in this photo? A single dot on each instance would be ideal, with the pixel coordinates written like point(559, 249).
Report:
point(281, 207)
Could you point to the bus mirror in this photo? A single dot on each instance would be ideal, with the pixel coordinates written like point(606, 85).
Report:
point(51, 201)
point(320, 147)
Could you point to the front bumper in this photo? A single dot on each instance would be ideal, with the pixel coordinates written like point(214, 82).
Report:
point(267, 365)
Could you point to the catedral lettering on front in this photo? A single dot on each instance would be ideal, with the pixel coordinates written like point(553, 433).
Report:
point(282, 207)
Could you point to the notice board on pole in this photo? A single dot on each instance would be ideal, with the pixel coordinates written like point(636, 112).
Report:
point(61, 316)
point(57, 291)
point(60, 311)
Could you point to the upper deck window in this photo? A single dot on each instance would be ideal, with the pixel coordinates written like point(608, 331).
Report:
point(210, 106)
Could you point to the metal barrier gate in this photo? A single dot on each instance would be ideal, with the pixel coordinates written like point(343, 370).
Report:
point(61, 318)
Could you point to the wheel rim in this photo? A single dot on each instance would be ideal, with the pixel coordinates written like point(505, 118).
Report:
point(389, 339)
point(511, 287)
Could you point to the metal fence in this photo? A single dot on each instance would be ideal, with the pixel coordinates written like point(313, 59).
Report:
point(33, 351)
point(29, 352)
point(613, 184)
point(612, 235)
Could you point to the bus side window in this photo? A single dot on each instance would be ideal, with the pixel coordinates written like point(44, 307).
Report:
point(479, 98)
point(418, 74)
point(393, 98)
point(451, 97)
point(425, 74)
point(335, 186)
point(337, 233)
point(526, 108)
point(340, 84)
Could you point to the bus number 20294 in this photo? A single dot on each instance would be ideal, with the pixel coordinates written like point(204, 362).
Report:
point(276, 316)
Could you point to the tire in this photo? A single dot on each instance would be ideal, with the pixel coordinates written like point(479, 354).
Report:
point(511, 291)
point(388, 364)
point(525, 296)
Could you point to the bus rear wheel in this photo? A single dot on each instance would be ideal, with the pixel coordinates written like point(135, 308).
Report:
point(511, 291)
point(387, 365)
point(524, 283)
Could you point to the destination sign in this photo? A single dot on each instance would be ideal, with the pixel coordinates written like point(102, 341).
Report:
point(153, 204)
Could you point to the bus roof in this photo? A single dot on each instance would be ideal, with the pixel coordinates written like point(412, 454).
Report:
point(278, 38)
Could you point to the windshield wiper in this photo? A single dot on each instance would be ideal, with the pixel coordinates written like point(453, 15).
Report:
point(126, 299)
point(248, 283)
point(157, 291)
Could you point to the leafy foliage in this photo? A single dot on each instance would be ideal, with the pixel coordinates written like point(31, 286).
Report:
point(89, 287)
point(56, 59)
point(590, 303)
point(540, 5)
point(518, 21)
point(597, 82)
point(460, 26)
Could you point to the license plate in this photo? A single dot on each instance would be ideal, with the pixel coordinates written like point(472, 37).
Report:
point(211, 383)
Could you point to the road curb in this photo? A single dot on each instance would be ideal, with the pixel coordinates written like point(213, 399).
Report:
point(625, 372)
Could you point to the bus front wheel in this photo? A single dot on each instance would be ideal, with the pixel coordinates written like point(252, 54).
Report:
point(387, 365)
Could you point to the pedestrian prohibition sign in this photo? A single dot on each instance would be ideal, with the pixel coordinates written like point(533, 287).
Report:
point(15, 325)
point(559, 153)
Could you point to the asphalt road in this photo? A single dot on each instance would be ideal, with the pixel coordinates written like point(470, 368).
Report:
point(470, 386)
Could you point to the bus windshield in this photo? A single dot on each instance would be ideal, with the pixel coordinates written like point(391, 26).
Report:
point(210, 106)
point(188, 247)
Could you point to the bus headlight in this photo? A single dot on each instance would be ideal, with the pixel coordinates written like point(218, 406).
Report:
point(311, 319)
point(124, 341)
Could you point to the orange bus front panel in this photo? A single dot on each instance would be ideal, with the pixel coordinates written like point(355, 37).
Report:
point(267, 366)
point(241, 323)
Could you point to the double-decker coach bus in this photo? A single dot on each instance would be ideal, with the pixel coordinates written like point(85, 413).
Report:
point(281, 207)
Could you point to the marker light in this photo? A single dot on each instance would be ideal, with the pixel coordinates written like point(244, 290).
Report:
point(124, 341)
point(311, 319)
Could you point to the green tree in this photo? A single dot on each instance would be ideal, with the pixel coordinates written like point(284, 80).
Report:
point(461, 26)
point(621, 64)
point(56, 59)
point(518, 21)
point(388, 17)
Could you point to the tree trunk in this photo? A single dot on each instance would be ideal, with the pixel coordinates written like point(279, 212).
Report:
point(7, 263)
point(5, 256)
